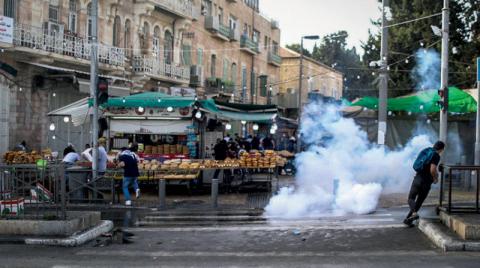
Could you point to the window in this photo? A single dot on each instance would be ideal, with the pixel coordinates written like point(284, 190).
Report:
point(156, 41)
point(117, 31)
point(256, 36)
point(220, 15)
point(127, 40)
point(213, 63)
point(53, 11)
point(72, 16)
point(199, 57)
point(89, 21)
point(275, 47)
point(265, 44)
point(206, 8)
point(244, 83)
point(10, 8)
point(186, 55)
point(168, 47)
point(263, 85)
point(232, 23)
point(234, 73)
point(225, 69)
point(245, 29)
point(145, 37)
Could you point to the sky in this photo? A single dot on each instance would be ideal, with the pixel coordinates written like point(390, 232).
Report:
point(321, 17)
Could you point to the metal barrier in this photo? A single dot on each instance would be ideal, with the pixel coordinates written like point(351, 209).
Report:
point(449, 170)
point(31, 190)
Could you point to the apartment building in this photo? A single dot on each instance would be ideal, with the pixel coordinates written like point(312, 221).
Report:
point(317, 78)
point(45, 50)
point(206, 47)
point(236, 51)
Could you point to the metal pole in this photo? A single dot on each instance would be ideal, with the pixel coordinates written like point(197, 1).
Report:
point(93, 87)
point(162, 193)
point(383, 90)
point(477, 130)
point(215, 192)
point(300, 80)
point(444, 74)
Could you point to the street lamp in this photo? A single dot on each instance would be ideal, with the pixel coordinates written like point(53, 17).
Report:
point(308, 37)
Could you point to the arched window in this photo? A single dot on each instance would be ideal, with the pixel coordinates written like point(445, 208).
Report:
point(89, 20)
point(156, 41)
point(117, 29)
point(234, 73)
point(168, 47)
point(127, 40)
point(72, 16)
point(145, 37)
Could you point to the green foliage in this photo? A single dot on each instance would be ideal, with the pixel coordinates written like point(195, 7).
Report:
point(296, 48)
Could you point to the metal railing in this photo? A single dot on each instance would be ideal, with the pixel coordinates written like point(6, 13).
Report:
point(459, 176)
point(274, 58)
point(181, 7)
point(65, 45)
point(157, 67)
point(224, 30)
point(249, 44)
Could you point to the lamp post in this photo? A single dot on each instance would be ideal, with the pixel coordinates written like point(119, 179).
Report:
point(300, 79)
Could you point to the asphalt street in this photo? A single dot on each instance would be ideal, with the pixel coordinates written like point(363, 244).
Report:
point(180, 239)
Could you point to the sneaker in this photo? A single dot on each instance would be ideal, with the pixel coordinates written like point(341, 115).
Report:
point(408, 223)
point(128, 203)
point(137, 193)
point(413, 218)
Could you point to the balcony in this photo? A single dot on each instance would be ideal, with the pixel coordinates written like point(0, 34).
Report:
point(159, 70)
point(218, 30)
point(286, 100)
point(63, 47)
point(274, 59)
point(232, 1)
point(180, 8)
point(247, 45)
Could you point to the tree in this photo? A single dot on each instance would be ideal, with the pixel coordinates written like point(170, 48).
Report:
point(406, 39)
point(296, 48)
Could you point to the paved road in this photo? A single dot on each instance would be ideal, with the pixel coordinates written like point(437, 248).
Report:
point(247, 240)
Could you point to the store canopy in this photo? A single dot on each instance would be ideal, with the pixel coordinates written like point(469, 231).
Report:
point(150, 100)
point(77, 111)
point(424, 102)
point(239, 112)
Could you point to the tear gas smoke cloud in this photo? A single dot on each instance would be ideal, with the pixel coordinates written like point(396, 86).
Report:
point(339, 151)
point(427, 70)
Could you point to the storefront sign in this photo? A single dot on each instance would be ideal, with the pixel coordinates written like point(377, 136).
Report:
point(6, 30)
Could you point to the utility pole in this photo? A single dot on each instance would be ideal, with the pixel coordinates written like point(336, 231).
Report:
point(477, 129)
point(444, 73)
point(383, 89)
point(300, 85)
point(93, 86)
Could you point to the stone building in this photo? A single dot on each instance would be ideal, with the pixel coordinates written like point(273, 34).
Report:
point(317, 78)
point(236, 50)
point(205, 47)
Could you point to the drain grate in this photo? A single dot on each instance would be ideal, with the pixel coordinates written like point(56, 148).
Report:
point(258, 200)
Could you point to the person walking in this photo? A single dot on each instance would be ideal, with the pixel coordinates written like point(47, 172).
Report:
point(102, 156)
point(220, 153)
point(426, 173)
point(128, 160)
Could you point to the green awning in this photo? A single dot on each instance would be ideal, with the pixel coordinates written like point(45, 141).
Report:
point(150, 100)
point(424, 102)
point(259, 117)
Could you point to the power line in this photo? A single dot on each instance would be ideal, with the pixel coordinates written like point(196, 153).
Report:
point(413, 20)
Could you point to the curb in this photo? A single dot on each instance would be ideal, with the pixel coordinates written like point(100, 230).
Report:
point(76, 239)
point(444, 240)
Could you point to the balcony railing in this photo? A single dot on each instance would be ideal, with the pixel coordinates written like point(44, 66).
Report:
point(184, 8)
point(158, 68)
point(65, 45)
point(248, 44)
point(274, 59)
point(224, 30)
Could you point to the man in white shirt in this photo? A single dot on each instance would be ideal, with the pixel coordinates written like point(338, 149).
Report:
point(87, 154)
point(102, 156)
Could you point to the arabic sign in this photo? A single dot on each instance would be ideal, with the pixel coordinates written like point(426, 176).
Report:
point(6, 30)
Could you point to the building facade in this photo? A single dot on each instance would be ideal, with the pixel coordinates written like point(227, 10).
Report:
point(317, 78)
point(207, 47)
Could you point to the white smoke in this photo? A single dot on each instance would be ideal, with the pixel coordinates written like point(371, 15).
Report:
point(340, 153)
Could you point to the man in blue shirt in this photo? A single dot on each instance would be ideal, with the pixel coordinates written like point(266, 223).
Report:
point(129, 161)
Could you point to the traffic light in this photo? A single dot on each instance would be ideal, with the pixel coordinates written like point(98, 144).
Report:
point(443, 103)
point(102, 91)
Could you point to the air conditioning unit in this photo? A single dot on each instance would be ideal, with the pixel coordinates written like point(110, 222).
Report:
point(53, 29)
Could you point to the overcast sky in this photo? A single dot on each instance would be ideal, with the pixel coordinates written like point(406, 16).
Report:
point(321, 17)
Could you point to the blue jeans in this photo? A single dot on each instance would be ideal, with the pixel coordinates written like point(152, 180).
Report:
point(127, 181)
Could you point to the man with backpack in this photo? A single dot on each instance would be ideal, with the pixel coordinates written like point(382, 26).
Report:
point(426, 167)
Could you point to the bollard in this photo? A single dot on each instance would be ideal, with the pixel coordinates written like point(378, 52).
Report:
point(162, 193)
point(214, 193)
